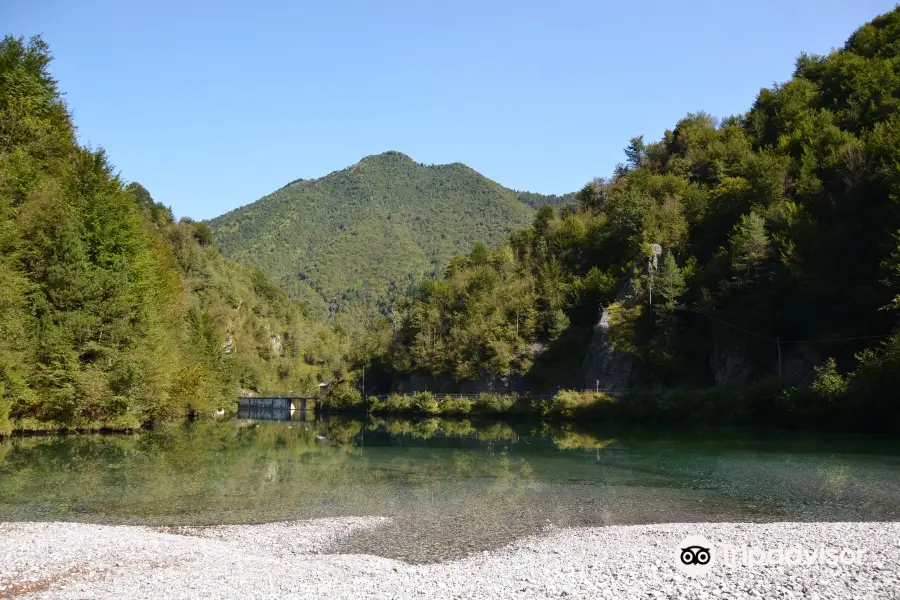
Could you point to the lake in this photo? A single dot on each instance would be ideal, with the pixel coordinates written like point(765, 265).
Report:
point(452, 487)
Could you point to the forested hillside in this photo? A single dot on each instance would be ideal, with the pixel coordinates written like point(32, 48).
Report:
point(111, 314)
point(538, 200)
point(350, 242)
point(778, 227)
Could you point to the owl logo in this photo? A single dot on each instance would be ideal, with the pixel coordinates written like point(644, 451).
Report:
point(694, 556)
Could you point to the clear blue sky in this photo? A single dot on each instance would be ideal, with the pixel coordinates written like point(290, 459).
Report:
point(212, 105)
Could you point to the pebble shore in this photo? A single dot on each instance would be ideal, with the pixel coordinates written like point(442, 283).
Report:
point(291, 560)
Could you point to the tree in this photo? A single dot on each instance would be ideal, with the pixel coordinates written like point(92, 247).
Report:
point(479, 254)
point(669, 284)
point(749, 248)
point(557, 323)
point(634, 152)
point(542, 220)
point(159, 213)
point(592, 195)
point(203, 234)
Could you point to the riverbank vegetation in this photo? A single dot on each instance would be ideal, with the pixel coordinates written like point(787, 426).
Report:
point(763, 404)
point(112, 314)
point(349, 400)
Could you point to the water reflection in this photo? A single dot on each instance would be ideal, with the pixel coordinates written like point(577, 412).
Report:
point(452, 486)
point(267, 413)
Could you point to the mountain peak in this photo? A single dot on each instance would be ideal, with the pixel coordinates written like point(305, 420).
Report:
point(352, 238)
point(390, 155)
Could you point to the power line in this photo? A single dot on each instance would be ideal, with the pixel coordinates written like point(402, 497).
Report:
point(759, 335)
point(747, 331)
point(780, 341)
point(846, 339)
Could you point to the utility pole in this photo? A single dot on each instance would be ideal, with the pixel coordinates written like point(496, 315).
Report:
point(778, 342)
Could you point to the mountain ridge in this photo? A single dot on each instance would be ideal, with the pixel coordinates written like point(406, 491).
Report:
point(315, 236)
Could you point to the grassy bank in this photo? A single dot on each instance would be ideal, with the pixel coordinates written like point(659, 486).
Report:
point(766, 404)
point(824, 406)
point(126, 423)
point(123, 424)
point(427, 404)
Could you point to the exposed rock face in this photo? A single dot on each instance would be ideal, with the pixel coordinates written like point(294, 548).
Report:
point(274, 340)
point(730, 364)
point(417, 381)
point(228, 344)
point(653, 259)
point(605, 367)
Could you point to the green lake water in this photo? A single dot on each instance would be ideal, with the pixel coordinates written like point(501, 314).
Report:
point(451, 487)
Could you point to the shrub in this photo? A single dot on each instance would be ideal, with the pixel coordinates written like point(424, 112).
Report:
point(425, 402)
point(572, 404)
point(723, 406)
point(829, 385)
point(124, 422)
point(456, 406)
point(396, 403)
point(492, 403)
point(756, 404)
point(344, 397)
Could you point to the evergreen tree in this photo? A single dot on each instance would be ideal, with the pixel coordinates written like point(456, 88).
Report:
point(669, 284)
point(749, 244)
point(634, 152)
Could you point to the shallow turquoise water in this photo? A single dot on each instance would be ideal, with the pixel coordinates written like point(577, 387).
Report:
point(452, 487)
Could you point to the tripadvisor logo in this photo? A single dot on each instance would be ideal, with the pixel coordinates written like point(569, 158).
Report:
point(695, 555)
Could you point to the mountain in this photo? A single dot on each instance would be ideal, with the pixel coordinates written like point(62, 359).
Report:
point(349, 241)
point(112, 314)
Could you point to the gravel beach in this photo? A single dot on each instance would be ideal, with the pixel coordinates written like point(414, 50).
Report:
point(291, 560)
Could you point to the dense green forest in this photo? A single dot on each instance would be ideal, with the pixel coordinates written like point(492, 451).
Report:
point(760, 251)
point(111, 313)
point(352, 242)
point(778, 230)
point(538, 200)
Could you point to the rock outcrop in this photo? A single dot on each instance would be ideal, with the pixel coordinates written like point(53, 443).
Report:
point(732, 365)
point(604, 366)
